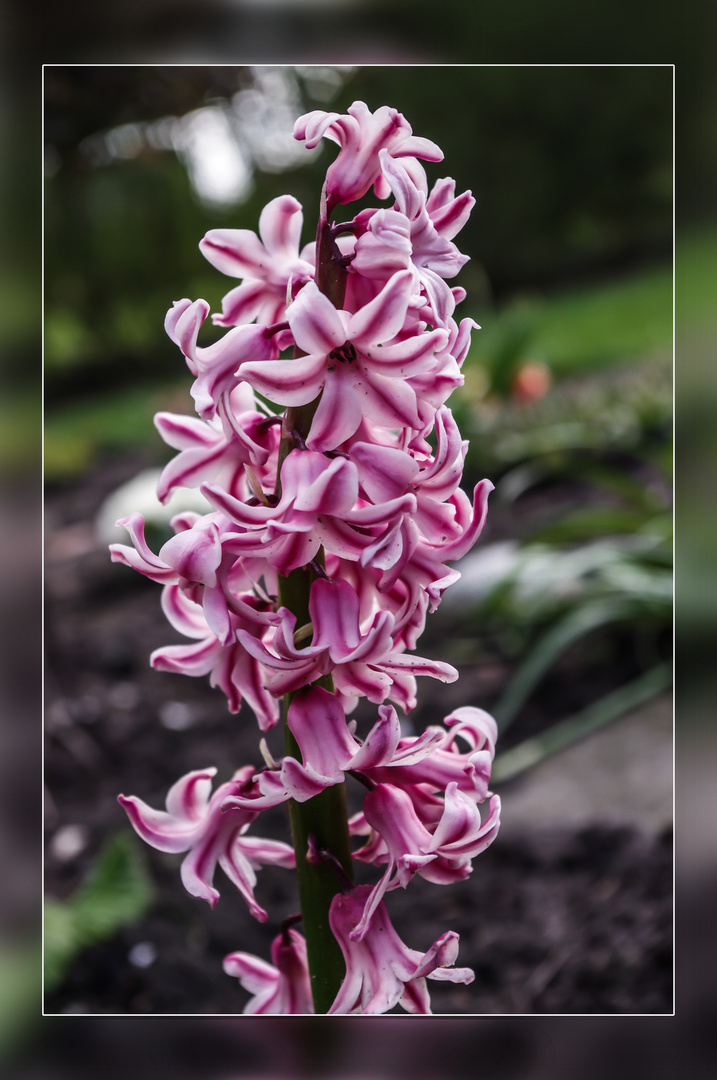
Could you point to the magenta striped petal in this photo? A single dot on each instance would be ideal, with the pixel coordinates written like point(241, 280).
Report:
point(448, 212)
point(189, 797)
point(243, 303)
point(333, 491)
point(182, 323)
point(195, 553)
point(334, 612)
point(240, 872)
point(141, 557)
point(183, 614)
point(409, 200)
point(287, 382)
point(418, 665)
point(185, 432)
point(187, 659)
point(280, 225)
point(389, 402)
point(315, 323)
point(418, 146)
point(339, 411)
point(381, 741)
point(381, 319)
point(457, 548)
point(461, 833)
point(158, 828)
point(235, 252)
point(262, 852)
point(318, 724)
point(188, 469)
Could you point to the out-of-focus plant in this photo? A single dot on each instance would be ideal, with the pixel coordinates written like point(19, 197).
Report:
point(606, 566)
point(116, 893)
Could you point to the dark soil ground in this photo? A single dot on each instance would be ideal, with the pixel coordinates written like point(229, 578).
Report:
point(559, 921)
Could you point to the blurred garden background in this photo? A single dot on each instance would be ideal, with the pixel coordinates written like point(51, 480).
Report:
point(562, 622)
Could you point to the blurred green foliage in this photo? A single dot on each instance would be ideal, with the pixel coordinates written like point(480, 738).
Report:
point(116, 893)
point(600, 563)
point(626, 407)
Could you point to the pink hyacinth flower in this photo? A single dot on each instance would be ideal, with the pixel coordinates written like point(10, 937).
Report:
point(409, 848)
point(317, 508)
point(217, 450)
point(381, 971)
point(272, 267)
point(215, 366)
point(282, 987)
point(361, 135)
point(328, 750)
point(363, 662)
point(352, 361)
point(447, 764)
point(230, 667)
point(409, 230)
point(195, 822)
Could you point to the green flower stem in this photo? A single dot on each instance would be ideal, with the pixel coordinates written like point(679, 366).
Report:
point(325, 817)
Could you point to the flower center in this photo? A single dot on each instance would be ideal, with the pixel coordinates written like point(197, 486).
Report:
point(346, 353)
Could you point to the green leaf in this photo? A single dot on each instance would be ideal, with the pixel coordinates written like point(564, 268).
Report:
point(116, 893)
point(566, 732)
point(575, 625)
point(590, 524)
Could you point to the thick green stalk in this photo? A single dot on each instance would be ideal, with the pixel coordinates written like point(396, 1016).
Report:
point(325, 817)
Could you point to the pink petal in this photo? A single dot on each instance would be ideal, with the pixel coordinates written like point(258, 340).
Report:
point(280, 225)
point(235, 252)
point(389, 402)
point(189, 796)
point(243, 303)
point(315, 322)
point(195, 553)
point(384, 472)
point(319, 727)
point(158, 828)
point(301, 782)
point(240, 872)
point(141, 558)
point(193, 660)
point(458, 548)
point(381, 741)
point(409, 200)
point(183, 322)
point(183, 614)
point(259, 851)
point(287, 382)
point(334, 611)
point(338, 414)
point(382, 318)
point(418, 665)
point(188, 469)
point(184, 432)
point(334, 491)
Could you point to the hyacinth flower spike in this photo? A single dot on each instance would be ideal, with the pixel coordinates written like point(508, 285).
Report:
point(336, 513)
